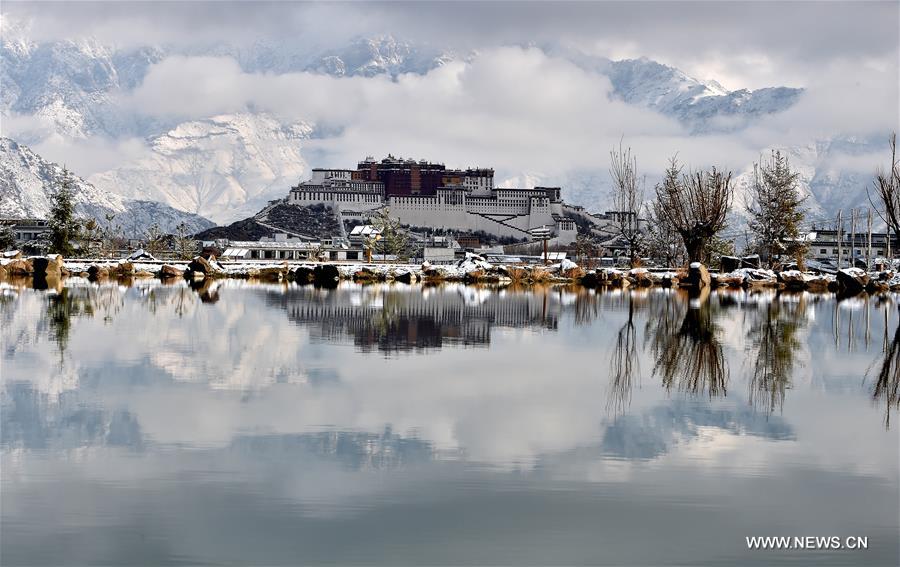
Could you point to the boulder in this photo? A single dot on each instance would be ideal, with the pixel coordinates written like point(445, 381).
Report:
point(302, 274)
point(818, 283)
point(590, 279)
point(793, 280)
point(122, 269)
point(640, 277)
point(570, 270)
point(875, 286)
point(96, 272)
point(729, 263)
point(203, 266)
point(47, 266)
point(326, 275)
point(752, 261)
point(366, 274)
point(669, 279)
point(474, 275)
point(852, 280)
point(432, 272)
point(729, 280)
point(273, 273)
point(611, 277)
point(143, 274)
point(19, 267)
point(404, 276)
point(167, 271)
point(697, 277)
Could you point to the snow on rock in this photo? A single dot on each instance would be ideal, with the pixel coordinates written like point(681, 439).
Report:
point(853, 272)
point(894, 282)
point(755, 274)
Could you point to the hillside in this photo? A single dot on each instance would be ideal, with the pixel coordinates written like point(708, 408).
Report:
point(227, 165)
point(316, 221)
point(27, 182)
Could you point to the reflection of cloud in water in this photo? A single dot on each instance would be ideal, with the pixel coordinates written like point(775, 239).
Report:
point(202, 375)
point(31, 421)
point(653, 433)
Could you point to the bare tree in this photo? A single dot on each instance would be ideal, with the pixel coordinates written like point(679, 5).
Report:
point(696, 204)
point(663, 243)
point(887, 191)
point(185, 245)
point(628, 198)
point(154, 239)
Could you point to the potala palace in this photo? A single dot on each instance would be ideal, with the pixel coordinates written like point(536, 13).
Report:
point(428, 195)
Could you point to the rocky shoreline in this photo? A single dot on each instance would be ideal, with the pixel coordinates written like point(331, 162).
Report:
point(472, 269)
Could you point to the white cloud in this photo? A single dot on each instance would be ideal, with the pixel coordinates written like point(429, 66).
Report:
point(519, 107)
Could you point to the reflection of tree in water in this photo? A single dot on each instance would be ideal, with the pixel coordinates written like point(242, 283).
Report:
point(688, 356)
point(72, 302)
point(624, 364)
point(587, 307)
point(887, 382)
point(774, 336)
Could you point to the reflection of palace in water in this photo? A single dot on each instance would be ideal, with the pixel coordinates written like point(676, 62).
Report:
point(396, 319)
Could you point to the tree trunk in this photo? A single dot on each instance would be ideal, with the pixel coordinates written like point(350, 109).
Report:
point(694, 247)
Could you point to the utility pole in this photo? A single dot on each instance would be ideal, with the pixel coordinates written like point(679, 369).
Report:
point(887, 231)
point(869, 252)
point(542, 233)
point(840, 238)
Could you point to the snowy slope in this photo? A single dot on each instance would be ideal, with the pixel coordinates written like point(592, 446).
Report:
point(70, 85)
point(226, 167)
point(704, 106)
point(27, 182)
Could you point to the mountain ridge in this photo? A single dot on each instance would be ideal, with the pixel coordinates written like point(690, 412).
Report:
point(27, 182)
point(72, 88)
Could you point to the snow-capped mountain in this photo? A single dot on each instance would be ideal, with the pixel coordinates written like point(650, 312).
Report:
point(368, 57)
point(704, 106)
point(70, 86)
point(225, 167)
point(27, 181)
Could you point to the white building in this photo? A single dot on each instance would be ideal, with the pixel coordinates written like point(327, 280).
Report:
point(283, 247)
point(467, 201)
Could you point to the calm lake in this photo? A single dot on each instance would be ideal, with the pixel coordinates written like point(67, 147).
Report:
point(256, 424)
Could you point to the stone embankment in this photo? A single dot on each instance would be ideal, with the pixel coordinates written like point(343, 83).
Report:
point(472, 269)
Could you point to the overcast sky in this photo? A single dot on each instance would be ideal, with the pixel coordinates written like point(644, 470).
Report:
point(740, 44)
point(528, 111)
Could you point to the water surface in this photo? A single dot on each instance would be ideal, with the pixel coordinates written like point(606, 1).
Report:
point(390, 424)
